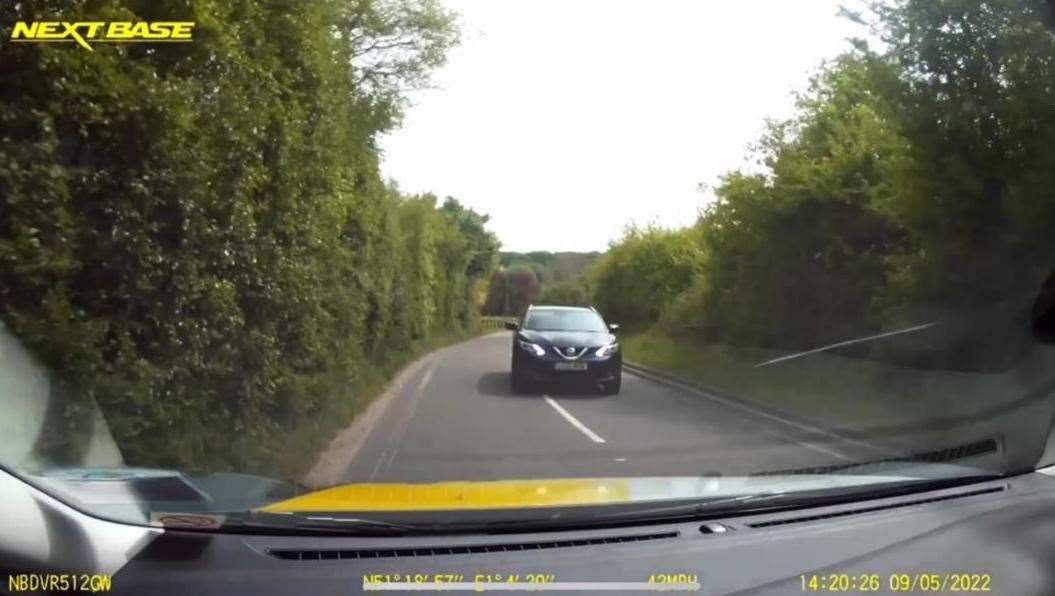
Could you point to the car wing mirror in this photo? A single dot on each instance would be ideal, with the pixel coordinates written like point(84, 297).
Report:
point(512, 325)
point(613, 327)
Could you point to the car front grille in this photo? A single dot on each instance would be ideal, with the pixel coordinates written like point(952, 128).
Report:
point(570, 352)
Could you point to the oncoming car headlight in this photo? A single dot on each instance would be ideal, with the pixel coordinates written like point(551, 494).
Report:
point(608, 350)
point(530, 347)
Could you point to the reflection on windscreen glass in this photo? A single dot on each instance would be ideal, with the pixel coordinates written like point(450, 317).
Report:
point(543, 258)
point(557, 320)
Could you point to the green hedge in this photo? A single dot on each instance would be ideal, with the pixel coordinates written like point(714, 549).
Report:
point(913, 184)
point(196, 236)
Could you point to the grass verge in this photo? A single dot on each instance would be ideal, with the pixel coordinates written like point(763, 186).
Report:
point(838, 391)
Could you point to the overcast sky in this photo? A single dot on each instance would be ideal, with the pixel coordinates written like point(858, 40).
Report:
point(566, 119)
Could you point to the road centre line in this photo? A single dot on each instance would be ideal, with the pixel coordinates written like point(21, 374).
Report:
point(596, 438)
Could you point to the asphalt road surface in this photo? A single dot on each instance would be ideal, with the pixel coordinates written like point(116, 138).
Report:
point(457, 419)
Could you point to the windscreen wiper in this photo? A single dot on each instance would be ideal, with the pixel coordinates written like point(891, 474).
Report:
point(575, 518)
point(361, 525)
point(302, 523)
point(769, 501)
point(944, 455)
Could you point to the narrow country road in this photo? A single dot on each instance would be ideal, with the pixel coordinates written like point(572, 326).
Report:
point(457, 419)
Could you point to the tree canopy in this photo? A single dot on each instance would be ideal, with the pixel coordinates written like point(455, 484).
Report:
point(914, 183)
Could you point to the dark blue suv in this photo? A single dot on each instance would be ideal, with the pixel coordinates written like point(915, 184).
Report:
point(566, 344)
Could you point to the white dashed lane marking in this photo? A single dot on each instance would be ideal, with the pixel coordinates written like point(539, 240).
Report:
point(596, 438)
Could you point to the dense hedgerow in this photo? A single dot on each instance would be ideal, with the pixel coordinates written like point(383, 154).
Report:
point(196, 236)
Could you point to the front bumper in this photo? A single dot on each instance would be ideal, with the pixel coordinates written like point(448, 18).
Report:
point(545, 370)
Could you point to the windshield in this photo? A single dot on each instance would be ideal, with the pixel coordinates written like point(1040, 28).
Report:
point(266, 260)
point(564, 320)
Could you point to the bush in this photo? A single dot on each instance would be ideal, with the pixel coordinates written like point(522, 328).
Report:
point(912, 186)
point(197, 237)
point(642, 273)
point(565, 293)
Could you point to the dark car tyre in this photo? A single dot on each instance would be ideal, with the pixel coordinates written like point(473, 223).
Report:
point(517, 382)
point(612, 387)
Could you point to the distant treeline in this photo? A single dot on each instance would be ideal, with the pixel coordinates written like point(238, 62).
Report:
point(538, 277)
point(196, 236)
point(914, 184)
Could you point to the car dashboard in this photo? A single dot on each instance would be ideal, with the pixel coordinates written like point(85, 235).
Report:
point(994, 536)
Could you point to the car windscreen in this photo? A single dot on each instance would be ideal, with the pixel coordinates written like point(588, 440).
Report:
point(277, 251)
point(564, 320)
